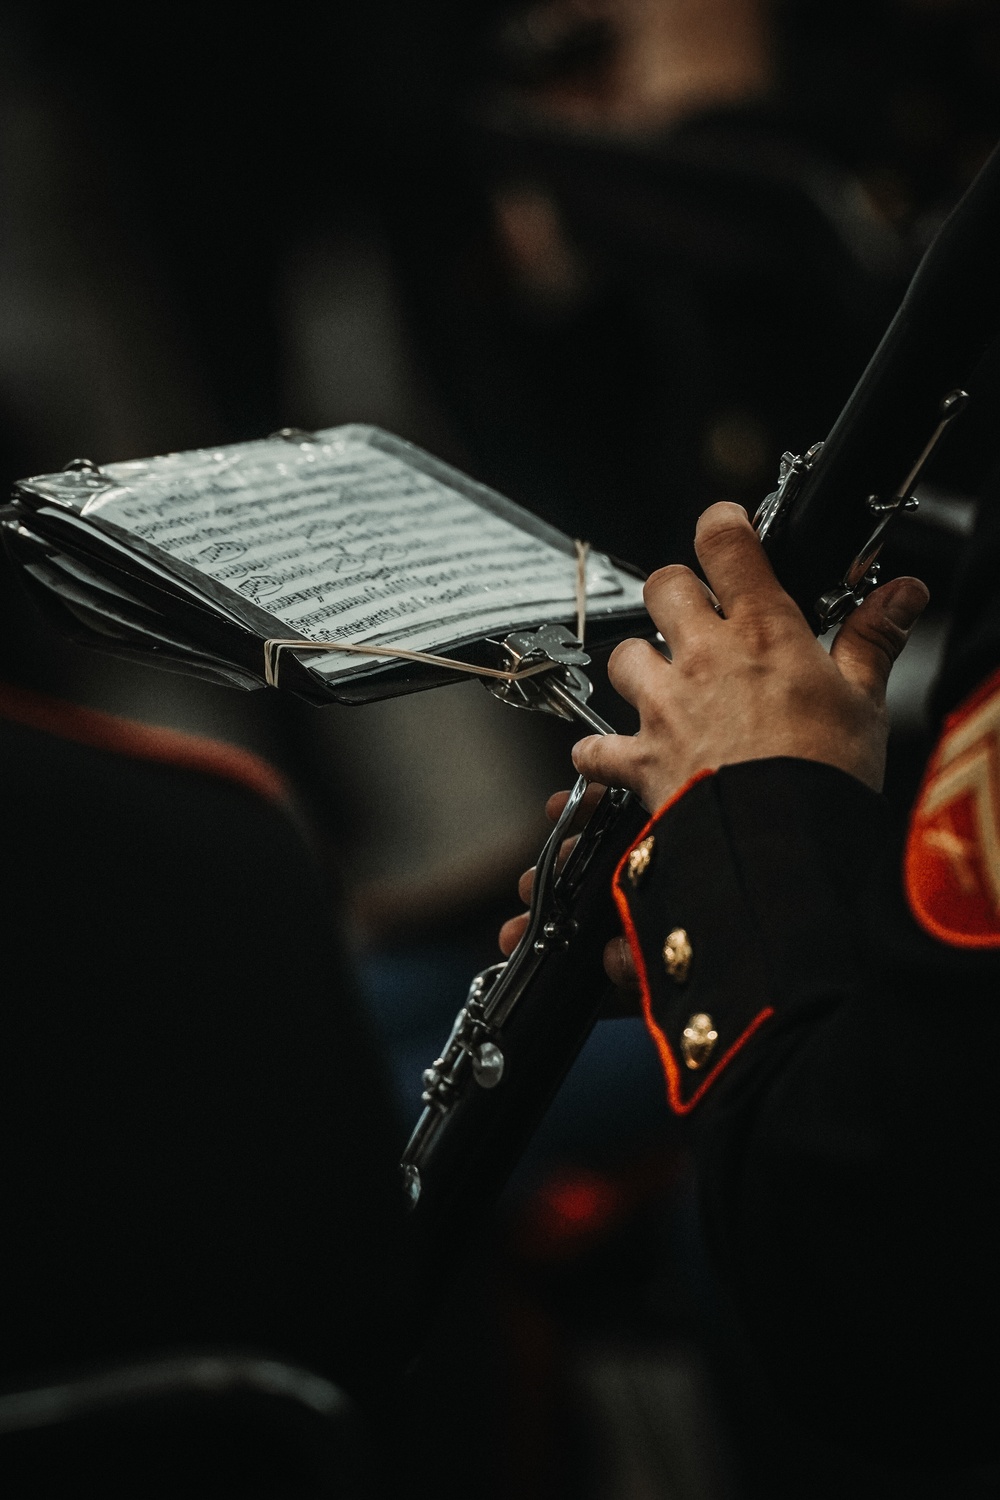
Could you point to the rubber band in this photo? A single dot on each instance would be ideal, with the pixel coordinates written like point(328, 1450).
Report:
point(273, 648)
point(582, 549)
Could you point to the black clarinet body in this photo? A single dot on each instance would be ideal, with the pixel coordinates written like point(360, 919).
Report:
point(525, 1022)
point(822, 540)
point(518, 1034)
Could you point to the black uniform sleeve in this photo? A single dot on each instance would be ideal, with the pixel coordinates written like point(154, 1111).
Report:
point(839, 1065)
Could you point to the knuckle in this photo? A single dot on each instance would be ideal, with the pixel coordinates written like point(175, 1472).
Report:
point(665, 578)
point(760, 634)
point(764, 628)
point(630, 666)
point(721, 527)
point(622, 655)
point(698, 661)
point(644, 767)
point(589, 758)
point(882, 633)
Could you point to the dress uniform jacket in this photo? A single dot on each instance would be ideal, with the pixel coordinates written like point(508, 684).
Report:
point(198, 1149)
point(824, 993)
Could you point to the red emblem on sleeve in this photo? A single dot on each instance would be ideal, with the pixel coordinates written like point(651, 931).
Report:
point(952, 863)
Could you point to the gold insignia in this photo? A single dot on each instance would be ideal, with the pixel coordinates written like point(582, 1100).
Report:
point(639, 860)
point(698, 1040)
point(677, 955)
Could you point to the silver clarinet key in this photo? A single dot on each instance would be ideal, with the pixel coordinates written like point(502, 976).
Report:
point(564, 690)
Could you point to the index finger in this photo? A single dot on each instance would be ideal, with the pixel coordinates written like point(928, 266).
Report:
point(734, 561)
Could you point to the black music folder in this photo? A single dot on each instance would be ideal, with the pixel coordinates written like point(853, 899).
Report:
point(196, 560)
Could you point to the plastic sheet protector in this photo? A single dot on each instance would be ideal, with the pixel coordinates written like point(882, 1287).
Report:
point(347, 535)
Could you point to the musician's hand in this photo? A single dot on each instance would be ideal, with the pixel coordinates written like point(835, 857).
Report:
point(618, 963)
point(753, 684)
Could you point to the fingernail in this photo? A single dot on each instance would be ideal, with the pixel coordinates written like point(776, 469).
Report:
point(722, 507)
point(907, 602)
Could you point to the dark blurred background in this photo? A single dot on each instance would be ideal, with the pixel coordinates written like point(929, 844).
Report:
point(611, 257)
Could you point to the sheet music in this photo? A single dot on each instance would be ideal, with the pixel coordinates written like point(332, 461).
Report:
point(342, 541)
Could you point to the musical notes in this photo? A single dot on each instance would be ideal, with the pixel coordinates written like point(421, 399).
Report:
point(342, 541)
point(348, 536)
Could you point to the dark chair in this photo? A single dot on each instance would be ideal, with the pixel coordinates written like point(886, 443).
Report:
point(206, 1423)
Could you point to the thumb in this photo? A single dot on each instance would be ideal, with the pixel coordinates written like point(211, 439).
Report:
point(870, 640)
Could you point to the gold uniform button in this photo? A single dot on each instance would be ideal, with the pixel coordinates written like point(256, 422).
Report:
point(698, 1040)
point(677, 955)
point(639, 860)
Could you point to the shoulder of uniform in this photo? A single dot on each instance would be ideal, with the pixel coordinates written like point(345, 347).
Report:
point(951, 866)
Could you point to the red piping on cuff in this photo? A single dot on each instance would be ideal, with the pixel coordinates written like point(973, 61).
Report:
point(671, 1067)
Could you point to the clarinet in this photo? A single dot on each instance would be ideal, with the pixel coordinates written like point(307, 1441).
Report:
point(525, 1021)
